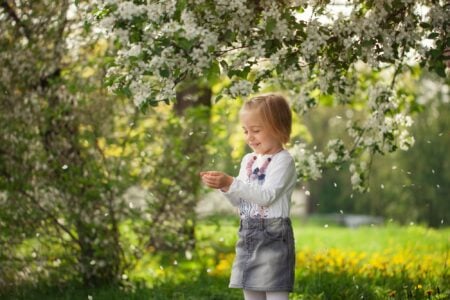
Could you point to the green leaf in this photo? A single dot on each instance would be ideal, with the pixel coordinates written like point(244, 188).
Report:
point(229, 36)
point(180, 6)
point(326, 99)
point(239, 73)
point(439, 68)
point(153, 103)
point(184, 43)
point(425, 25)
point(164, 72)
point(213, 73)
point(433, 35)
point(135, 36)
point(124, 91)
point(224, 65)
point(270, 25)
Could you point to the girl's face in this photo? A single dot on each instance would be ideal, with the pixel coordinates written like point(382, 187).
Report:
point(257, 135)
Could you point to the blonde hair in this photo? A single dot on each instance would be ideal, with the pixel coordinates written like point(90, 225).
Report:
point(274, 111)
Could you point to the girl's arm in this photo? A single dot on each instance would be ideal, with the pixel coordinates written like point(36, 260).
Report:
point(280, 176)
point(222, 181)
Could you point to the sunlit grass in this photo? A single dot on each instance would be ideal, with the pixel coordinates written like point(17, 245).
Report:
point(384, 262)
point(332, 262)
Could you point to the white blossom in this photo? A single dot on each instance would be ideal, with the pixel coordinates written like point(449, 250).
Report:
point(127, 10)
point(240, 88)
point(233, 34)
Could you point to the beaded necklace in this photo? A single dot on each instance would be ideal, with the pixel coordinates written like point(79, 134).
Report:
point(258, 173)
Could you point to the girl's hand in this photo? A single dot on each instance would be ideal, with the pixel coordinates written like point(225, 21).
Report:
point(217, 180)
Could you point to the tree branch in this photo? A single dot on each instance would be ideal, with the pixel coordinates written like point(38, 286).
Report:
point(50, 215)
point(13, 15)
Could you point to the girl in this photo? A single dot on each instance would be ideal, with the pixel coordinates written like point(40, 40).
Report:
point(265, 256)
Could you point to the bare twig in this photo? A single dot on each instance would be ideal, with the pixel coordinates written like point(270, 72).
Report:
point(13, 15)
point(51, 216)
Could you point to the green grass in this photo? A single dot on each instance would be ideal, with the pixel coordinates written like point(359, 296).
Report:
point(385, 262)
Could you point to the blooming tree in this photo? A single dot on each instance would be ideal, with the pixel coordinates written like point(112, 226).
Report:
point(59, 188)
point(315, 51)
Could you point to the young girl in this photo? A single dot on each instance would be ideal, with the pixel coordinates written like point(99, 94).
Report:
point(265, 256)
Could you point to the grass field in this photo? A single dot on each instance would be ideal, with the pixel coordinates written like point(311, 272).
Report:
point(383, 262)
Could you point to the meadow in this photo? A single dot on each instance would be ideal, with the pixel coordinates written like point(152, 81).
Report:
point(372, 262)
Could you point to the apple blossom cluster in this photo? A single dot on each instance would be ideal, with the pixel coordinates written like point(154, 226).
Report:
point(298, 46)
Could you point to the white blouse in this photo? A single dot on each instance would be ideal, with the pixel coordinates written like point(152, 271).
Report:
point(267, 198)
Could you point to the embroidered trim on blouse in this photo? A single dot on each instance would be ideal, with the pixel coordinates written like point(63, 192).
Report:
point(258, 173)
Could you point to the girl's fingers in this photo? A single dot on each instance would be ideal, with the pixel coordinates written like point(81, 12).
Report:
point(208, 181)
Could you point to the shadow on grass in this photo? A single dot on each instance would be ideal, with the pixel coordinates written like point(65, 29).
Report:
point(207, 288)
point(308, 286)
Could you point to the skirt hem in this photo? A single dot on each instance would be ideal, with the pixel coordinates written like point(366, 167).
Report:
point(261, 289)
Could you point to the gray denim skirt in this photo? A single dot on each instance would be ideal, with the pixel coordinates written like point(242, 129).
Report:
point(265, 256)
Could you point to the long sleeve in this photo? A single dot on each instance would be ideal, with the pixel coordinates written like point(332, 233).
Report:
point(280, 179)
point(234, 198)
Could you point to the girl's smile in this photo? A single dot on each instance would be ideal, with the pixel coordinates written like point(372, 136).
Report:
point(258, 136)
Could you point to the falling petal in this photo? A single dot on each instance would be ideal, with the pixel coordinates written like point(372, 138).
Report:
point(394, 167)
point(175, 262)
point(326, 225)
point(438, 186)
point(131, 205)
point(411, 223)
point(307, 193)
point(64, 167)
point(382, 186)
point(92, 262)
point(432, 171)
point(90, 297)
point(191, 133)
point(341, 211)
point(57, 262)
point(335, 184)
point(188, 255)
point(124, 276)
